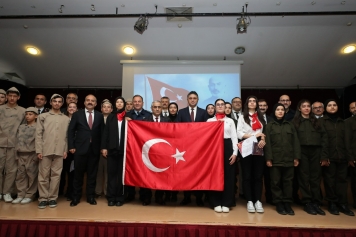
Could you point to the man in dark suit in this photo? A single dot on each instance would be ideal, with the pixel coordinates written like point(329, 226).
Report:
point(40, 101)
point(146, 194)
point(192, 113)
point(138, 113)
point(84, 140)
point(262, 104)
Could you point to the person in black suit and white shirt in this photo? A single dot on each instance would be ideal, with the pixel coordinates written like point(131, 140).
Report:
point(113, 149)
point(84, 140)
point(156, 116)
point(192, 113)
point(40, 101)
point(165, 102)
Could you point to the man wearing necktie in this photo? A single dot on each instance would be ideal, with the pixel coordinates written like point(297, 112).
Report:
point(236, 104)
point(40, 101)
point(192, 113)
point(84, 140)
point(156, 117)
point(165, 102)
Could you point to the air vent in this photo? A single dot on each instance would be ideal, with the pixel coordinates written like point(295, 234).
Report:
point(179, 10)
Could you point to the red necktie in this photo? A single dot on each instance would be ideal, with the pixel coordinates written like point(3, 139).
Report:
point(192, 115)
point(156, 119)
point(90, 120)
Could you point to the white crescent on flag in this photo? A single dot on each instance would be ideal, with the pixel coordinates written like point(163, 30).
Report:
point(146, 158)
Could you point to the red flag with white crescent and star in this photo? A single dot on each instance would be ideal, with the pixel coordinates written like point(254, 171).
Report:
point(175, 94)
point(174, 156)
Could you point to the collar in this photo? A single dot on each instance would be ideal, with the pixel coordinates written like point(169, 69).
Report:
point(195, 108)
point(87, 111)
point(137, 112)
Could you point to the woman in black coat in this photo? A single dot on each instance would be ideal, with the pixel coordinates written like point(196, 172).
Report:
point(113, 148)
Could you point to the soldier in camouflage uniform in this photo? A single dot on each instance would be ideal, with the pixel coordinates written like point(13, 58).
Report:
point(27, 167)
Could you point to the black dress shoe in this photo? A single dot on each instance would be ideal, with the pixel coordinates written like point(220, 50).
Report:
point(74, 202)
point(119, 204)
point(91, 201)
point(345, 209)
point(160, 201)
point(333, 209)
point(288, 209)
point(146, 202)
point(111, 203)
point(200, 203)
point(318, 209)
point(280, 208)
point(308, 208)
point(185, 201)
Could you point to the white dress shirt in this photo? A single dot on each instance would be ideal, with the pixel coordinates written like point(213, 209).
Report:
point(229, 131)
point(154, 118)
point(244, 128)
point(234, 115)
point(195, 111)
point(164, 112)
point(87, 115)
point(119, 123)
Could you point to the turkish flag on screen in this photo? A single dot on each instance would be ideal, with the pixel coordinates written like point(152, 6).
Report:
point(174, 156)
point(160, 89)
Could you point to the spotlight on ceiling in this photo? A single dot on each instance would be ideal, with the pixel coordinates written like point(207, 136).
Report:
point(141, 24)
point(32, 50)
point(243, 22)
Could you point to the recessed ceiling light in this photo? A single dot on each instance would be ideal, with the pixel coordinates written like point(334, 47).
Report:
point(349, 49)
point(343, 2)
point(32, 50)
point(179, 25)
point(278, 3)
point(128, 50)
point(349, 24)
point(313, 3)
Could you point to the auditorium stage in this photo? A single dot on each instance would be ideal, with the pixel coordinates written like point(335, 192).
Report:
point(172, 213)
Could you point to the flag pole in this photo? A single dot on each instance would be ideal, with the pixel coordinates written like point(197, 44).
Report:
point(145, 93)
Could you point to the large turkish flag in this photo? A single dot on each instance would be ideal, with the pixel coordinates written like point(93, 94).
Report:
point(175, 94)
point(174, 156)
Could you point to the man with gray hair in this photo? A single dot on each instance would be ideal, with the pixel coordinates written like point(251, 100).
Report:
point(318, 109)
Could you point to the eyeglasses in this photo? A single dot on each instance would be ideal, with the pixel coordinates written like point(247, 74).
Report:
point(220, 105)
point(284, 100)
point(320, 107)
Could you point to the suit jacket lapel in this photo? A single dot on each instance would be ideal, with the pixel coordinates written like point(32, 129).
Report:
point(85, 118)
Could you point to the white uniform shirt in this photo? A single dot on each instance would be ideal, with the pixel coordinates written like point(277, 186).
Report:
point(244, 128)
point(229, 131)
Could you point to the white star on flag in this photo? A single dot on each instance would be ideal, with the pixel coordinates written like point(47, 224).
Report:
point(178, 156)
point(179, 97)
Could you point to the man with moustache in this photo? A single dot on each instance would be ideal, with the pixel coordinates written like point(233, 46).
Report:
point(350, 139)
point(84, 140)
point(165, 102)
point(192, 113)
point(40, 101)
point(262, 104)
point(129, 105)
point(318, 109)
point(236, 104)
point(71, 98)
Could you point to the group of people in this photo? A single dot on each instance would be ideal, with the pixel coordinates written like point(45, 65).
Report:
point(45, 149)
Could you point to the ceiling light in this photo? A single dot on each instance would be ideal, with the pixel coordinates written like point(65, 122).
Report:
point(239, 50)
point(349, 49)
point(32, 50)
point(128, 50)
point(243, 22)
point(141, 24)
point(60, 10)
point(92, 7)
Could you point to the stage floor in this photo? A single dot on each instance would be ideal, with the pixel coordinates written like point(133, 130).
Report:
point(172, 213)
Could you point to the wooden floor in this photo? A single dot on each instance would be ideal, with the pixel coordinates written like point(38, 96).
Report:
point(172, 213)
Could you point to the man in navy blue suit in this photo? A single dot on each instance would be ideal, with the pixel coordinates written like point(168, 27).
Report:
point(84, 139)
point(138, 113)
point(192, 113)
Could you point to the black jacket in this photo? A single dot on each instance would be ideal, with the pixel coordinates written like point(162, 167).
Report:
point(110, 138)
point(350, 127)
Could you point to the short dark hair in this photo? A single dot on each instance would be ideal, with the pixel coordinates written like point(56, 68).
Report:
point(137, 96)
point(262, 100)
point(165, 97)
point(192, 93)
point(235, 98)
point(42, 95)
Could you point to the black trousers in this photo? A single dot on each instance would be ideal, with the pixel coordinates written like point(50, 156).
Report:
point(309, 174)
point(267, 183)
point(85, 163)
point(335, 182)
point(252, 173)
point(226, 197)
point(353, 182)
point(115, 188)
point(67, 176)
point(282, 176)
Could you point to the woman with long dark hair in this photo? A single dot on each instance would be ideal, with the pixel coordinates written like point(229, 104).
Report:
point(251, 124)
point(313, 140)
point(223, 200)
point(113, 148)
point(282, 152)
point(334, 169)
